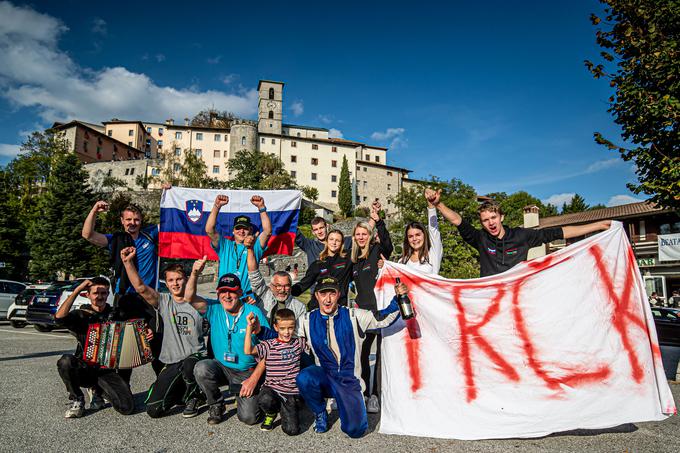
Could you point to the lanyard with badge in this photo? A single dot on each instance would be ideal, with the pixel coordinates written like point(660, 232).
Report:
point(238, 256)
point(230, 356)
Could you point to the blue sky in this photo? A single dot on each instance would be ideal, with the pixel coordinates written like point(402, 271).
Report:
point(493, 93)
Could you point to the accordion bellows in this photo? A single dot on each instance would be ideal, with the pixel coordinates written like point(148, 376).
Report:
point(117, 344)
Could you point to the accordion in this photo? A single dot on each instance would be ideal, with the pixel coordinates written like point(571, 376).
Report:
point(117, 344)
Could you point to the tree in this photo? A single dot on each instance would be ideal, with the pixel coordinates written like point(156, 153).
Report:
point(513, 206)
point(13, 248)
point(577, 204)
point(213, 118)
point(548, 210)
point(55, 241)
point(190, 172)
point(345, 189)
point(256, 170)
point(641, 50)
point(310, 193)
point(459, 260)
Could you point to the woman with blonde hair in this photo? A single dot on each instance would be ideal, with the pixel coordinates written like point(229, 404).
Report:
point(366, 252)
point(333, 261)
point(422, 250)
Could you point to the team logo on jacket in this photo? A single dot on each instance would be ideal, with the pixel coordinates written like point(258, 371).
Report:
point(491, 251)
point(194, 210)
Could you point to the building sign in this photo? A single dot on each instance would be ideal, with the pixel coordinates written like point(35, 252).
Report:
point(669, 247)
point(646, 262)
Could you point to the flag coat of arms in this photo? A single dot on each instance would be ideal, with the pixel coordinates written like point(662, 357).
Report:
point(185, 212)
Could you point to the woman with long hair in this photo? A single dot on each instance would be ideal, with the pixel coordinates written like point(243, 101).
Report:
point(333, 261)
point(422, 249)
point(366, 252)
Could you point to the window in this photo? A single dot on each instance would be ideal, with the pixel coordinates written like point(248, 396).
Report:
point(298, 134)
point(271, 115)
point(199, 152)
point(129, 143)
point(315, 161)
point(273, 141)
point(271, 93)
point(178, 136)
point(313, 135)
point(377, 158)
point(131, 133)
point(216, 153)
point(176, 167)
point(389, 173)
point(199, 136)
point(364, 198)
point(315, 146)
point(155, 172)
point(334, 163)
point(293, 173)
point(127, 171)
point(85, 146)
point(262, 141)
point(293, 144)
point(334, 178)
point(293, 158)
point(216, 169)
point(160, 131)
point(148, 129)
point(313, 176)
point(368, 157)
point(109, 172)
point(365, 184)
point(334, 193)
point(218, 138)
point(178, 151)
point(226, 154)
point(334, 149)
point(160, 143)
point(243, 140)
point(364, 168)
point(132, 171)
point(109, 132)
point(389, 187)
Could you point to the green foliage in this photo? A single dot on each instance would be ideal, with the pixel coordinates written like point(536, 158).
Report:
point(306, 216)
point(55, 239)
point(13, 248)
point(256, 170)
point(460, 260)
point(310, 193)
point(641, 59)
point(111, 183)
point(345, 189)
point(596, 206)
point(213, 118)
point(577, 204)
point(513, 206)
point(361, 211)
point(548, 210)
point(191, 172)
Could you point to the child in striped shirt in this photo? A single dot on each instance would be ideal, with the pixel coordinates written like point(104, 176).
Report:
point(282, 366)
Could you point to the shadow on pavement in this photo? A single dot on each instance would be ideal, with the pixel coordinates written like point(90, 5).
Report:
point(625, 428)
point(36, 355)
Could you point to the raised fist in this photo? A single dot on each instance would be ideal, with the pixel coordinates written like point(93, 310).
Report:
point(128, 254)
point(221, 200)
point(100, 206)
point(433, 196)
point(249, 241)
point(199, 265)
point(257, 201)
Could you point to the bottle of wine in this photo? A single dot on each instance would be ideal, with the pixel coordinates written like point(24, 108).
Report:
point(404, 303)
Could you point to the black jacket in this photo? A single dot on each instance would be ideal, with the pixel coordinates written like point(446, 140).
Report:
point(333, 266)
point(365, 271)
point(499, 255)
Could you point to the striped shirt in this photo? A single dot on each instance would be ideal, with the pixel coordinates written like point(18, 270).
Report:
point(282, 363)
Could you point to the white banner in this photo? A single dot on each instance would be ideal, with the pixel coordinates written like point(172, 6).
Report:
point(562, 342)
point(669, 247)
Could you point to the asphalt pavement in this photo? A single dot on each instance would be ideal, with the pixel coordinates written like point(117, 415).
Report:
point(33, 401)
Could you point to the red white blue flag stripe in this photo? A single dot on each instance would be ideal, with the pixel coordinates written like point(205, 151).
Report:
point(185, 211)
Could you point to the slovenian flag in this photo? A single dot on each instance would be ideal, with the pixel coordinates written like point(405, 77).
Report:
point(185, 211)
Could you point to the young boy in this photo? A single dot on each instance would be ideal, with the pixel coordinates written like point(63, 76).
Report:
point(282, 366)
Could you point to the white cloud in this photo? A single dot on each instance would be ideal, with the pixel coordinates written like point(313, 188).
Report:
point(99, 26)
point(335, 133)
point(229, 78)
point(618, 200)
point(326, 119)
point(395, 135)
point(160, 57)
point(559, 199)
point(35, 73)
point(7, 150)
point(297, 108)
point(214, 60)
point(603, 165)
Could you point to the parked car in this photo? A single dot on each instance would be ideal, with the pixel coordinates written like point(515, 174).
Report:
point(44, 305)
point(667, 322)
point(8, 291)
point(17, 311)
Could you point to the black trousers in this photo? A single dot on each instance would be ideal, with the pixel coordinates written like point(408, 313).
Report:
point(289, 406)
point(76, 374)
point(175, 384)
point(366, 364)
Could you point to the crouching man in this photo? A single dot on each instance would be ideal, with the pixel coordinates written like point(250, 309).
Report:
point(335, 334)
point(73, 370)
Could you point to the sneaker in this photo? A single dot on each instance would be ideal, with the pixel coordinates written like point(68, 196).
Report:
point(331, 405)
point(268, 423)
point(76, 410)
point(321, 422)
point(373, 406)
point(191, 409)
point(215, 412)
point(96, 400)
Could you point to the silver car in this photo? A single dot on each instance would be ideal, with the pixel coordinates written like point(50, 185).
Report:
point(8, 292)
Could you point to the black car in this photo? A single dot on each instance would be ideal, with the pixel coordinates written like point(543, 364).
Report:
point(44, 304)
point(667, 322)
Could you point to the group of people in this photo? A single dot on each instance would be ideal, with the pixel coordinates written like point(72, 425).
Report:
point(272, 351)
